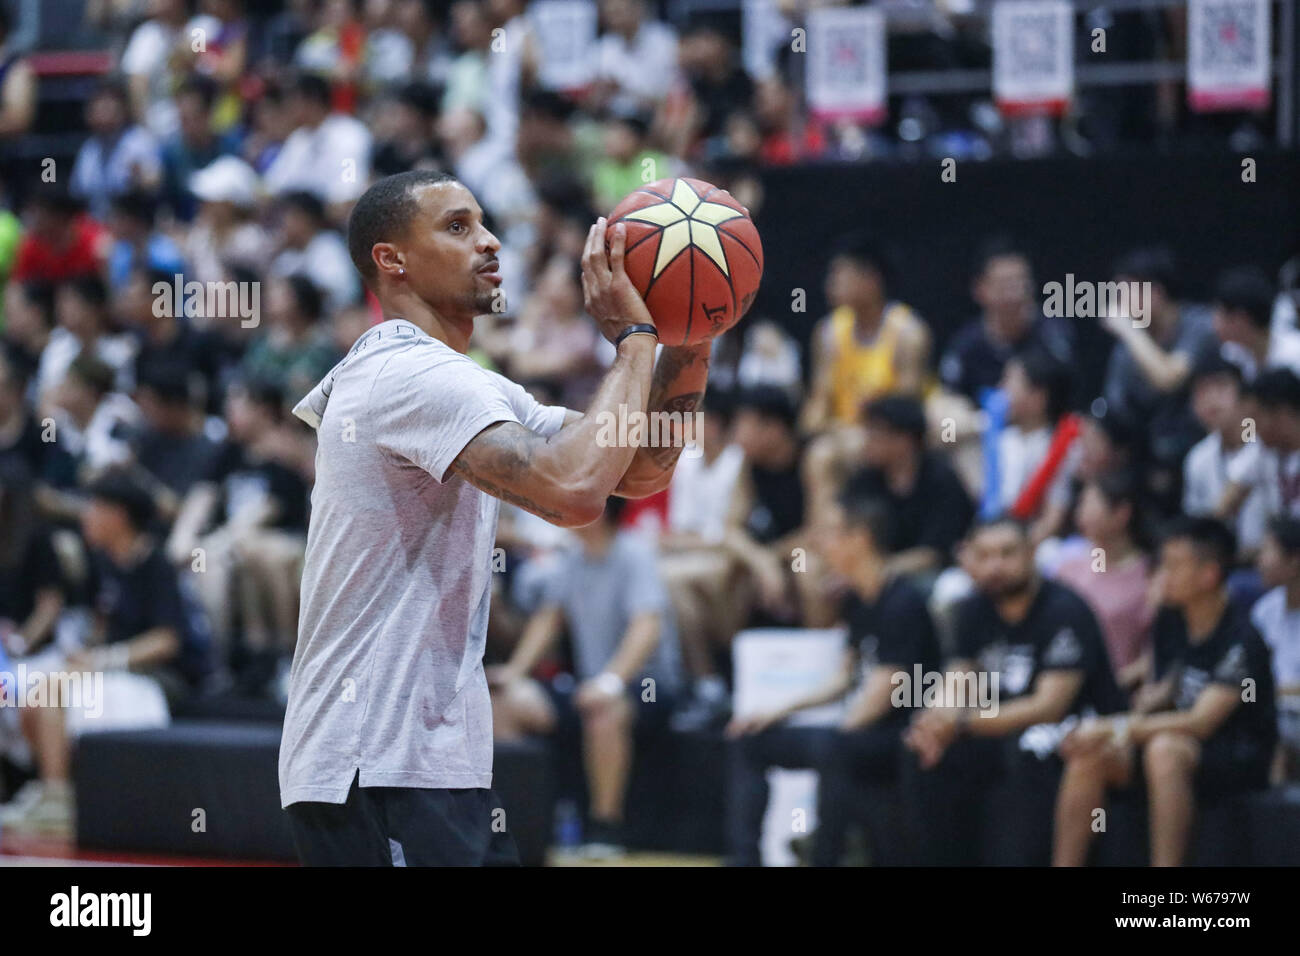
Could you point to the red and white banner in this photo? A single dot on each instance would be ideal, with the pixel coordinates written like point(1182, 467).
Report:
point(1228, 49)
point(1033, 56)
point(846, 64)
point(566, 41)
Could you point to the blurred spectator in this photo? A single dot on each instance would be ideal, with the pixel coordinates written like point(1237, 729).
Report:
point(327, 153)
point(636, 57)
point(248, 490)
point(608, 594)
point(1270, 464)
point(770, 357)
point(629, 163)
point(81, 307)
point(94, 422)
point(466, 85)
point(59, 241)
point(1010, 323)
point(1047, 650)
point(1114, 575)
point(931, 510)
point(1243, 316)
point(1190, 735)
point(222, 55)
point(295, 352)
point(167, 344)
point(149, 64)
point(1031, 480)
point(767, 509)
point(1219, 406)
point(31, 582)
point(193, 146)
point(786, 136)
point(715, 85)
point(169, 445)
point(696, 561)
point(311, 249)
point(1150, 367)
point(403, 128)
point(889, 632)
point(1277, 618)
point(29, 322)
point(119, 155)
point(148, 640)
point(136, 242)
point(868, 346)
point(335, 50)
point(554, 342)
point(224, 233)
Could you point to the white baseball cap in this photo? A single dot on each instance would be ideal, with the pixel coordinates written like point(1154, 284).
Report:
point(227, 179)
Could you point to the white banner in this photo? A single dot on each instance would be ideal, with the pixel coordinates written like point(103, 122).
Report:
point(762, 32)
point(1228, 48)
point(566, 39)
point(1033, 55)
point(846, 64)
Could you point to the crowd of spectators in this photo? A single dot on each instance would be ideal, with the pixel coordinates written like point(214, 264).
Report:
point(1131, 553)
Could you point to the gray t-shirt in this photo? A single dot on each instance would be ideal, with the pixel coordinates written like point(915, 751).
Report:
point(600, 596)
point(387, 676)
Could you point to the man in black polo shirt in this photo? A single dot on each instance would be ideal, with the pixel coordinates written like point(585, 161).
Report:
point(1042, 645)
point(889, 633)
point(1010, 324)
point(1206, 724)
point(930, 507)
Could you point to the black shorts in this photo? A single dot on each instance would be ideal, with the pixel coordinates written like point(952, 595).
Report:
point(1227, 766)
point(404, 826)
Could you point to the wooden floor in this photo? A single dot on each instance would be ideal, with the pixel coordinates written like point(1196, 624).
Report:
point(38, 851)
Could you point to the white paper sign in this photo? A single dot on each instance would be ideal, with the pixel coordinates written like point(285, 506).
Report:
point(565, 31)
point(1033, 55)
point(773, 666)
point(846, 64)
point(1228, 44)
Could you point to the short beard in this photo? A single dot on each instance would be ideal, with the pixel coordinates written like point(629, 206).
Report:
point(489, 300)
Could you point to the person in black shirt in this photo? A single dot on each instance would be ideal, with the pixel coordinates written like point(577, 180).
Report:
point(248, 516)
point(1011, 324)
point(767, 507)
point(889, 634)
point(931, 509)
point(1041, 651)
point(147, 650)
point(1206, 724)
point(31, 582)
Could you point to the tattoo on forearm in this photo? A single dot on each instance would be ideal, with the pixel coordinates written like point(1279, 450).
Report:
point(503, 452)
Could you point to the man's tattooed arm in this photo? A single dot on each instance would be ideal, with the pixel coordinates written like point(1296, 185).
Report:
point(680, 377)
point(567, 477)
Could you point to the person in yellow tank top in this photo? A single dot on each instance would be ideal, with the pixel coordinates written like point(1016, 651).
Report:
point(868, 346)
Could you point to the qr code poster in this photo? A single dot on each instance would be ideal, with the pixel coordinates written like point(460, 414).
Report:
point(1033, 55)
point(566, 42)
point(1228, 44)
point(846, 64)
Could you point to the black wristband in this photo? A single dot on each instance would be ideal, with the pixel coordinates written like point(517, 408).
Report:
point(633, 330)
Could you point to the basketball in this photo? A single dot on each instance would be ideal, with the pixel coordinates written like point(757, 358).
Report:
point(694, 255)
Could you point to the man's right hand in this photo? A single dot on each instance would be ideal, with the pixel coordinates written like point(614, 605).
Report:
point(607, 292)
point(753, 723)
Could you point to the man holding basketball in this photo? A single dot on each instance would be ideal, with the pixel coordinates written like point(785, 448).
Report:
point(386, 757)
